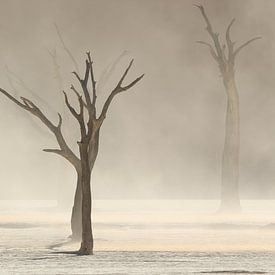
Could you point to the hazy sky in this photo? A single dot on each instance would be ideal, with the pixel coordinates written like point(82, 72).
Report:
point(165, 137)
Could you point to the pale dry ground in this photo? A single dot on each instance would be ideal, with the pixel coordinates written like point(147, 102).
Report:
point(140, 237)
point(161, 225)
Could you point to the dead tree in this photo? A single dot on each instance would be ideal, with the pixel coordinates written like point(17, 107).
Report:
point(89, 124)
point(225, 55)
point(76, 224)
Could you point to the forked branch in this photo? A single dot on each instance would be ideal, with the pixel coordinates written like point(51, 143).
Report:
point(118, 89)
point(70, 107)
point(78, 116)
point(213, 35)
point(218, 52)
point(230, 44)
point(29, 106)
point(106, 74)
point(84, 85)
point(89, 135)
point(78, 95)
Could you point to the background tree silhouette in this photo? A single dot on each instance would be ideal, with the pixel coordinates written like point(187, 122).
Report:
point(225, 55)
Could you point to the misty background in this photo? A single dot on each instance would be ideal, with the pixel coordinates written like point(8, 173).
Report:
point(164, 138)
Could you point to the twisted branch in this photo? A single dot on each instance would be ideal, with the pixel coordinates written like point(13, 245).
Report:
point(29, 106)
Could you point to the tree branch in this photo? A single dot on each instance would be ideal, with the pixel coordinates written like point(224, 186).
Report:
point(15, 91)
point(230, 44)
point(83, 84)
point(245, 44)
point(88, 103)
point(55, 151)
point(22, 83)
point(105, 75)
point(79, 117)
point(59, 121)
point(70, 107)
point(118, 89)
point(56, 130)
point(133, 83)
point(13, 99)
point(214, 36)
point(93, 80)
point(78, 95)
point(77, 76)
point(125, 73)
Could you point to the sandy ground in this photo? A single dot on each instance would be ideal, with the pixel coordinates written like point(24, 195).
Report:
point(140, 237)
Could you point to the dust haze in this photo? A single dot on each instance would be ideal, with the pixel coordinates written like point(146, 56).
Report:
point(156, 185)
point(164, 138)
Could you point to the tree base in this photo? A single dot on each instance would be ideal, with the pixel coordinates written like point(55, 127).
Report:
point(86, 249)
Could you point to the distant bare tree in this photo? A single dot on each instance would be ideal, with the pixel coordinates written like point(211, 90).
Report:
point(225, 55)
point(89, 124)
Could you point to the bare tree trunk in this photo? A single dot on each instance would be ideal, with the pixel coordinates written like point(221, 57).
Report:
point(230, 200)
point(87, 243)
point(225, 54)
point(76, 217)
